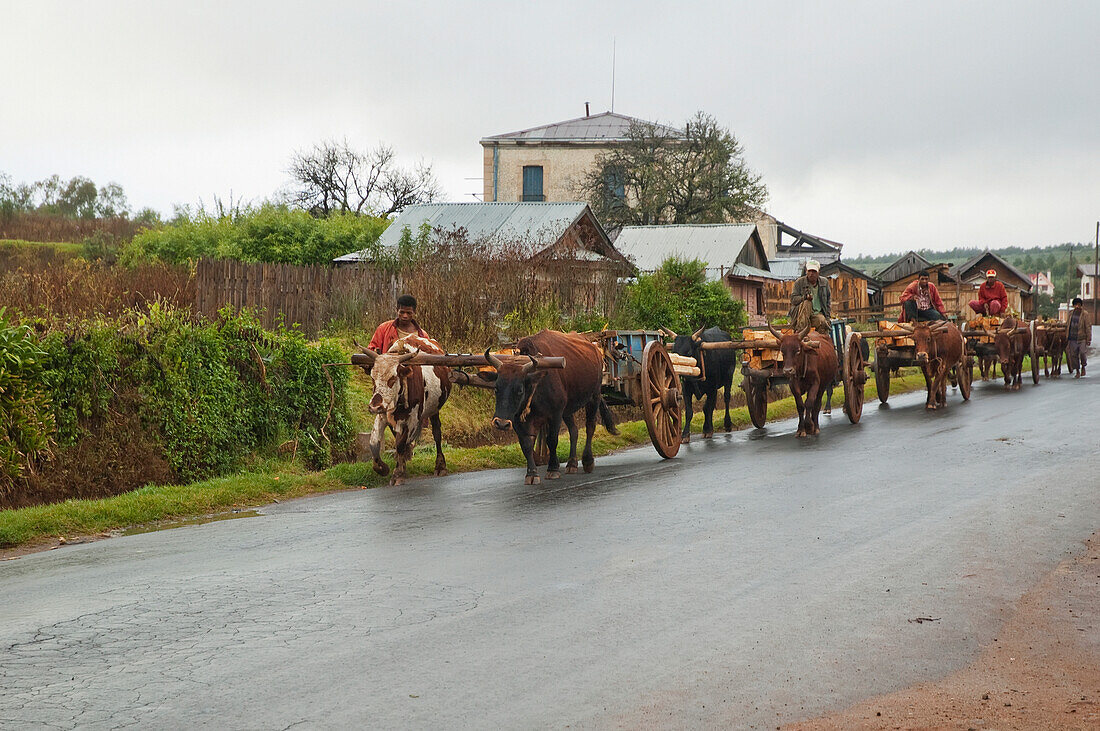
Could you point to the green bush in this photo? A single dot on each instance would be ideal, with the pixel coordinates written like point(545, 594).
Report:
point(26, 424)
point(269, 233)
point(678, 296)
point(210, 394)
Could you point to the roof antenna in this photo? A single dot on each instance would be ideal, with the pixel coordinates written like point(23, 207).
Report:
point(613, 73)
point(586, 109)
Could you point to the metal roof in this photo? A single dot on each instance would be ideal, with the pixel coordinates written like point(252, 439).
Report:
point(786, 268)
point(537, 224)
point(607, 126)
point(744, 270)
point(1087, 269)
point(718, 244)
point(963, 270)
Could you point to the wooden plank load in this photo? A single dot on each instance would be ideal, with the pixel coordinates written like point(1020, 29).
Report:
point(765, 356)
point(981, 324)
point(898, 342)
point(684, 365)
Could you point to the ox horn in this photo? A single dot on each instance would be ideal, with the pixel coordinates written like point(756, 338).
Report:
point(939, 326)
point(528, 367)
point(408, 356)
point(697, 336)
point(905, 328)
point(494, 361)
point(371, 355)
point(667, 333)
point(805, 331)
point(778, 335)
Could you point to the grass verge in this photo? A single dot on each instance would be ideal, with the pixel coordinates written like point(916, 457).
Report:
point(60, 247)
point(282, 481)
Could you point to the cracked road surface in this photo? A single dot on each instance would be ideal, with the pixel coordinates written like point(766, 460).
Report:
point(757, 579)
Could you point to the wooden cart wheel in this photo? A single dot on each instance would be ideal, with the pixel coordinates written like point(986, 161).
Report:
point(854, 377)
point(1034, 356)
point(964, 376)
point(662, 400)
point(756, 399)
point(882, 378)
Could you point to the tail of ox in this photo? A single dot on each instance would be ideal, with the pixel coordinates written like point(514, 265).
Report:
point(405, 398)
point(530, 400)
point(810, 367)
point(939, 346)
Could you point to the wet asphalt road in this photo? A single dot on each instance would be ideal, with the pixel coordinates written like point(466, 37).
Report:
point(754, 580)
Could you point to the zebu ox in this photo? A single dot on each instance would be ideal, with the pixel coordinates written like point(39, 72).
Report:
point(717, 366)
point(939, 347)
point(810, 366)
point(1054, 345)
point(1012, 345)
point(405, 397)
point(529, 400)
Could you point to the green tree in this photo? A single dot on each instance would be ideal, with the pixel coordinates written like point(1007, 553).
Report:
point(657, 177)
point(678, 296)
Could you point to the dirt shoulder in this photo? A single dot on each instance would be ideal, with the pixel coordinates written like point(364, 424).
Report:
point(1041, 672)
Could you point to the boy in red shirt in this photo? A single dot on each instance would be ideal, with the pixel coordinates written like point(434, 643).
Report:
point(992, 297)
point(404, 324)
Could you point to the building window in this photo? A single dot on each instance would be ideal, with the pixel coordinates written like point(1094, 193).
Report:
point(532, 183)
point(616, 186)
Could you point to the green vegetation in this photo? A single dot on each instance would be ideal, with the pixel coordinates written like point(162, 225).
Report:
point(26, 423)
point(171, 502)
point(678, 296)
point(60, 247)
point(269, 233)
point(161, 389)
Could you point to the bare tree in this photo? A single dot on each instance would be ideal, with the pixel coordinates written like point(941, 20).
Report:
point(334, 177)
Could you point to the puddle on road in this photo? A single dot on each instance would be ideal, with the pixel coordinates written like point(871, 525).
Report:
point(154, 527)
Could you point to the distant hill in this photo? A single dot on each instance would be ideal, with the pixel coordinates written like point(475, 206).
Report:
point(1059, 259)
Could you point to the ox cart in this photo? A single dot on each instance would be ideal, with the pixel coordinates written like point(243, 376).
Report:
point(980, 334)
point(894, 350)
point(762, 368)
point(638, 370)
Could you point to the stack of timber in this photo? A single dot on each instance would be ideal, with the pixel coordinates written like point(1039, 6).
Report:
point(982, 324)
point(767, 355)
point(898, 342)
point(684, 366)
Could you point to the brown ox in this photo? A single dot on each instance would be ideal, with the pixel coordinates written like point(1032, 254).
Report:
point(529, 400)
point(1012, 344)
point(405, 397)
point(1053, 343)
point(810, 367)
point(939, 348)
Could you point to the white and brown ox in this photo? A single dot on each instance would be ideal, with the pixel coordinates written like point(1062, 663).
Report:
point(810, 367)
point(405, 398)
point(939, 346)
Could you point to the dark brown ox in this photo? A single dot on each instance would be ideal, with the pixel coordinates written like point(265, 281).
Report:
point(529, 400)
point(1052, 344)
point(939, 348)
point(1012, 344)
point(810, 367)
point(405, 397)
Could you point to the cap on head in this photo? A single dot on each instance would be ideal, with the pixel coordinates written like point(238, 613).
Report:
point(991, 273)
point(812, 266)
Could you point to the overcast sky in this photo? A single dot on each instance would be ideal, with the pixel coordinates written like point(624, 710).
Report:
point(883, 125)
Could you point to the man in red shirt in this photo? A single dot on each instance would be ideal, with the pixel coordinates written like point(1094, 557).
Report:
point(921, 301)
point(404, 324)
point(992, 297)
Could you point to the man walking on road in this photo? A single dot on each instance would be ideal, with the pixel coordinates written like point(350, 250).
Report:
point(810, 300)
point(1078, 338)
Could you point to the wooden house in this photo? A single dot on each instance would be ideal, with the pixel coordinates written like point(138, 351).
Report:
point(1018, 285)
point(853, 292)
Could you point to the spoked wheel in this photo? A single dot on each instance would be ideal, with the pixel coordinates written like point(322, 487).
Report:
point(756, 399)
point(1034, 356)
point(854, 377)
point(964, 375)
point(882, 378)
point(662, 400)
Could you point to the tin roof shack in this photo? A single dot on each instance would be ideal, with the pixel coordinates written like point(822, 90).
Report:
point(564, 242)
point(971, 274)
point(853, 292)
point(547, 163)
point(733, 252)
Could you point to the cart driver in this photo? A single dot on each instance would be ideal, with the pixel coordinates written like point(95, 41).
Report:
point(920, 302)
point(810, 300)
point(404, 324)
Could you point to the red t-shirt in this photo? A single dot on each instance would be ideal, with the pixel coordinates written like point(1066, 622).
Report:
point(387, 333)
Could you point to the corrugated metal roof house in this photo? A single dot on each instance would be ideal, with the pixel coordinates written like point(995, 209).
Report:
point(733, 252)
point(594, 129)
point(545, 228)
